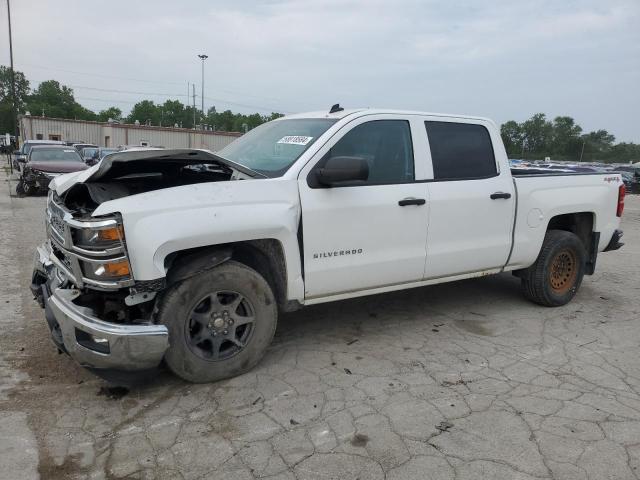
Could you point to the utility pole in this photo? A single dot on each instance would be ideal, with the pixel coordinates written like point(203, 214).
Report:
point(194, 105)
point(13, 77)
point(203, 57)
point(582, 151)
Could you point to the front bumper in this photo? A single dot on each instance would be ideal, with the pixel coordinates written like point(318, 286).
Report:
point(39, 180)
point(93, 342)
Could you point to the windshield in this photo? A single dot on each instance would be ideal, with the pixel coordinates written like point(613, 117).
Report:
point(272, 148)
point(55, 155)
point(26, 147)
point(104, 152)
point(89, 152)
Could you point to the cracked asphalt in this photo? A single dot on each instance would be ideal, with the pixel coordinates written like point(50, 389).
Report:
point(458, 381)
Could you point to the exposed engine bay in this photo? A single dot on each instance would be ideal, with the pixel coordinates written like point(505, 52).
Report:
point(131, 173)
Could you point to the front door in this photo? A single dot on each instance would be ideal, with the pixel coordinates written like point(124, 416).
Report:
point(369, 234)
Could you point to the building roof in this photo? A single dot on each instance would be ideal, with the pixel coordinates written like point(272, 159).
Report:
point(130, 125)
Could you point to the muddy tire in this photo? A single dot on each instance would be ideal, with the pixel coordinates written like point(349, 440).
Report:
point(20, 188)
point(220, 322)
point(555, 277)
point(28, 189)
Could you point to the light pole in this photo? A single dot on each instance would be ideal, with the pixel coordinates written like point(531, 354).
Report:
point(13, 78)
point(202, 57)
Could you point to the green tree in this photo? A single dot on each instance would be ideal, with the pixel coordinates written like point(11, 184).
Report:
point(566, 140)
point(172, 112)
point(512, 137)
point(56, 101)
point(6, 100)
point(146, 112)
point(624, 153)
point(537, 134)
point(112, 112)
point(597, 145)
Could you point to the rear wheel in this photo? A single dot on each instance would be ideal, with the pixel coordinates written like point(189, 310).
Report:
point(555, 277)
point(220, 322)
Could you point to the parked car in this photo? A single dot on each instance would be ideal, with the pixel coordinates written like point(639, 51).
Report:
point(20, 156)
point(80, 146)
point(150, 258)
point(43, 164)
point(90, 155)
point(93, 155)
point(103, 152)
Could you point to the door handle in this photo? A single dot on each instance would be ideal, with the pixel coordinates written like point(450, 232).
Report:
point(411, 201)
point(495, 196)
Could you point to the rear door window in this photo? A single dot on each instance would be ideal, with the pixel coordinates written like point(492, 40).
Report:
point(460, 151)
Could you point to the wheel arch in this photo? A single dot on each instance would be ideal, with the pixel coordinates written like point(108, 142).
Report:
point(581, 224)
point(265, 256)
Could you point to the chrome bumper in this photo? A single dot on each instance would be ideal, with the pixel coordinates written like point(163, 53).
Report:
point(90, 341)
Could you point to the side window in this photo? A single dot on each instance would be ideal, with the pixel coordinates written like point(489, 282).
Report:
point(460, 151)
point(384, 144)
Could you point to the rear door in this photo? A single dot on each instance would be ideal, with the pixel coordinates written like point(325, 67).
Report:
point(369, 234)
point(472, 199)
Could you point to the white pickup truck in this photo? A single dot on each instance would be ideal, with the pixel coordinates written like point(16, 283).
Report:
point(186, 256)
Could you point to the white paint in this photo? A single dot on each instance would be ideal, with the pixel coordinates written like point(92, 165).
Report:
point(460, 232)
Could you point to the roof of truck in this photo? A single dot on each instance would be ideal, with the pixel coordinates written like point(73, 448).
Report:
point(374, 111)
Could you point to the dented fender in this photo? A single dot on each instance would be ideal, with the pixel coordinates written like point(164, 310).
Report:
point(162, 222)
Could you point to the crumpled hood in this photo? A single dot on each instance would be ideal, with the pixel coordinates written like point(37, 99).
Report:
point(57, 167)
point(139, 161)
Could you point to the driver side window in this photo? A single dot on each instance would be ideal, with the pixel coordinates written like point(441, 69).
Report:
point(385, 145)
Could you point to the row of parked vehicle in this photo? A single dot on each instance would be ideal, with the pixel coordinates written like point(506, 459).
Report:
point(39, 161)
point(630, 173)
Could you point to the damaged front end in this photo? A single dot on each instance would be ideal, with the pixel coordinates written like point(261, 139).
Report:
point(82, 278)
point(96, 310)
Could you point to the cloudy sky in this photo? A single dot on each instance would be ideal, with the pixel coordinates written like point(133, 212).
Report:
point(505, 59)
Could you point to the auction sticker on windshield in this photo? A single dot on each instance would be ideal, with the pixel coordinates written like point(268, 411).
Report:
point(295, 140)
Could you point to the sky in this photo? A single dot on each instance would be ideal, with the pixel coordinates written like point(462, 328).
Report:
point(503, 59)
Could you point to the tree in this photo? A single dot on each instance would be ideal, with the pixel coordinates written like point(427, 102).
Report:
point(146, 112)
point(172, 113)
point(110, 113)
point(56, 101)
point(512, 137)
point(6, 100)
point(597, 145)
point(566, 137)
point(537, 134)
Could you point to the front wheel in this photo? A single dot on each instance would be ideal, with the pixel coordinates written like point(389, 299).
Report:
point(27, 188)
point(555, 277)
point(20, 188)
point(220, 322)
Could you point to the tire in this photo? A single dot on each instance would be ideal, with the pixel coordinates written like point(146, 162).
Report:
point(204, 341)
point(20, 188)
point(28, 189)
point(555, 277)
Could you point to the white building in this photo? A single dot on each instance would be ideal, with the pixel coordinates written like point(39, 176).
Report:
point(116, 134)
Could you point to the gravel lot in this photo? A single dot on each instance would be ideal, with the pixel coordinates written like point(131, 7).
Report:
point(465, 380)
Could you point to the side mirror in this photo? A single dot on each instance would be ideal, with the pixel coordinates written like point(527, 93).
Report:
point(339, 170)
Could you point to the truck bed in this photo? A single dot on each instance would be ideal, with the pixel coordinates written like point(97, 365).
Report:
point(542, 196)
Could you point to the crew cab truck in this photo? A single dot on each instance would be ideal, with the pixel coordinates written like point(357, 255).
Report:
point(188, 256)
